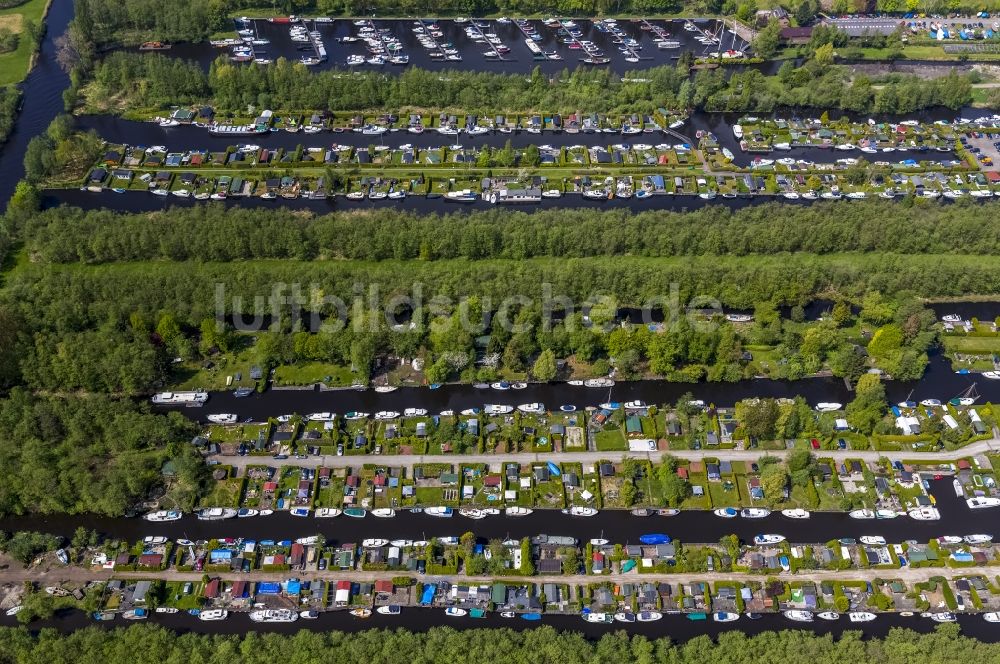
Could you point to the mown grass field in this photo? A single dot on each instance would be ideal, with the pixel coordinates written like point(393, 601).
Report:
point(14, 65)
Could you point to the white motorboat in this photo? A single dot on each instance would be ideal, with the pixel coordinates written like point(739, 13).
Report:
point(211, 615)
point(455, 612)
point(384, 513)
point(386, 415)
point(163, 515)
point(598, 541)
point(992, 375)
point(325, 416)
point(518, 511)
point(299, 511)
point(725, 616)
point(354, 415)
point(414, 412)
point(599, 617)
point(385, 389)
point(862, 514)
point(625, 617)
point(649, 616)
point(828, 615)
point(931, 403)
point(599, 382)
point(216, 513)
point(924, 514)
point(982, 503)
point(764, 540)
point(222, 418)
point(799, 616)
point(439, 511)
point(533, 408)
point(726, 512)
point(828, 406)
point(797, 513)
point(949, 539)
point(373, 542)
point(309, 614)
point(497, 409)
point(390, 610)
point(246, 512)
point(886, 514)
point(169, 610)
point(959, 489)
point(14, 610)
point(472, 513)
point(635, 405)
point(860, 616)
point(872, 540)
point(577, 510)
point(754, 512)
point(992, 617)
point(402, 543)
point(942, 617)
point(667, 511)
point(274, 616)
point(978, 539)
point(327, 512)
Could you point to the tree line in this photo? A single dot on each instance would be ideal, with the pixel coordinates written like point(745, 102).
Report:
point(213, 233)
point(156, 80)
point(148, 643)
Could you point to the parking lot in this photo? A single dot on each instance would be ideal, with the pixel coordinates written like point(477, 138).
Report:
point(985, 148)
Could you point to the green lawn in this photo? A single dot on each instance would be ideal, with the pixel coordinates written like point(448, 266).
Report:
point(313, 372)
point(14, 65)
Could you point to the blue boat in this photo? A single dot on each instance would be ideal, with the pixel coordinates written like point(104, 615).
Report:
point(531, 616)
point(194, 612)
point(699, 615)
point(655, 538)
point(434, 386)
point(567, 408)
point(554, 469)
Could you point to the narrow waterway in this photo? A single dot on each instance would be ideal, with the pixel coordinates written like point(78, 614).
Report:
point(939, 382)
point(618, 526)
point(42, 100)
point(675, 626)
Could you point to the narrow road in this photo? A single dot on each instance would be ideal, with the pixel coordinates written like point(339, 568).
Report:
point(527, 458)
point(79, 575)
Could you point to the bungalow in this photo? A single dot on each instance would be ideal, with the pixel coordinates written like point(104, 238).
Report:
point(151, 560)
point(342, 596)
point(141, 591)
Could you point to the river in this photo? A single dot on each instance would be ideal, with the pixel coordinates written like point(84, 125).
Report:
point(42, 90)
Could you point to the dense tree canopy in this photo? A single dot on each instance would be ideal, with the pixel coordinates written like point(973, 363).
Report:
point(149, 643)
point(145, 80)
point(85, 454)
point(213, 233)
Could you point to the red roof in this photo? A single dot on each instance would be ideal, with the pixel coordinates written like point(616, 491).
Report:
point(343, 585)
point(992, 176)
point(270, 486)
point(212, 589)
point(963, 464)
point(352, 480)
point(383, 586)
point(150, 560)
point(491, 480)
point(682, 473)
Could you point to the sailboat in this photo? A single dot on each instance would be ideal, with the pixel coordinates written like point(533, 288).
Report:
point(966, 398)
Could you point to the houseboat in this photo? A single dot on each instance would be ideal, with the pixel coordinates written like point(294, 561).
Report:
point(193, 398)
